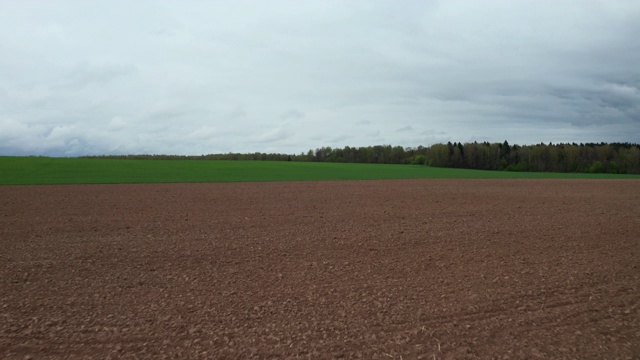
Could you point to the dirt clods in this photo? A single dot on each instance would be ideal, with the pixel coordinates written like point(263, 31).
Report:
point(411, 269)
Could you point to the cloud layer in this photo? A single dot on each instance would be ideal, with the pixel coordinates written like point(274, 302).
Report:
point(90, 77)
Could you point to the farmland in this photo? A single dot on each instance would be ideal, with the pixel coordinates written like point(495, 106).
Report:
point(44, 170)
point(388, 269)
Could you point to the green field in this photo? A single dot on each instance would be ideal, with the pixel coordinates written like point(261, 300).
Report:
point(44, 170)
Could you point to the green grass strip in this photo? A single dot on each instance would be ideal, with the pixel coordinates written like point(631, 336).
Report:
point(45, 170)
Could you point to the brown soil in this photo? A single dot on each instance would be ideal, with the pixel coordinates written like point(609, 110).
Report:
point(432, 269)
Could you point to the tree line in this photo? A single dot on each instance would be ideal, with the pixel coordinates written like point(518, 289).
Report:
point(617, 158)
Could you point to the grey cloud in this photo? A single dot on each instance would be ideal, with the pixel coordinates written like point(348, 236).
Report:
point(199, 77)
point(170, 112)
point(292, 114)
point(203, 133)
point(404, 129)
point(340, 139)
point(433, 132)
point(273, 135)
point(166, 32)
point(622, 97)
point(84, 74)
point(238, 112)
point(609, 102)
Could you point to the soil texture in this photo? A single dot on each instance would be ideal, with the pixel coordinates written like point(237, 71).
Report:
point(400, 269)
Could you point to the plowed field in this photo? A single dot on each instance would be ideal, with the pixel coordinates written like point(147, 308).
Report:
point(431, 269)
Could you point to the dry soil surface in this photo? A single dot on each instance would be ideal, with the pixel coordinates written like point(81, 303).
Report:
point(431, 269)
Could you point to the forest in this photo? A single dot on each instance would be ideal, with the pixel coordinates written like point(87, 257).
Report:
point(615, 158)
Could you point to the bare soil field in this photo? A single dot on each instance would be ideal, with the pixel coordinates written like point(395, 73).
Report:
point(409, 269)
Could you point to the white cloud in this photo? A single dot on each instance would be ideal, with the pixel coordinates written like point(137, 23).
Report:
point(272, 136)
point(203, 133)
point(201, 77)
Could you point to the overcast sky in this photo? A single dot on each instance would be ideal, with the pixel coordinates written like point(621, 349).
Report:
point(200, 77)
